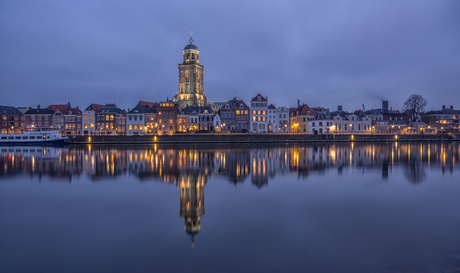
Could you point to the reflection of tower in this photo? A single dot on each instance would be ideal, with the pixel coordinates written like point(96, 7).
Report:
point(191, 186)
point(191, 78)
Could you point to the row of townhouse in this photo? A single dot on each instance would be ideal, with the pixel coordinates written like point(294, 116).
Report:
point(11, 119)
point(96, 119)
point(232, 116)
point(266, 118)
point(306, 120)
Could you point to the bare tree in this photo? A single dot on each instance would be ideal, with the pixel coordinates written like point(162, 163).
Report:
point(415, 105)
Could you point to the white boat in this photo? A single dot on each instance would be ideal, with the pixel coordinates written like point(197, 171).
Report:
point(34, 138)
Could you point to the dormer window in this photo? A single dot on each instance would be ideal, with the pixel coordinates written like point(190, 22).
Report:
point(258, 98)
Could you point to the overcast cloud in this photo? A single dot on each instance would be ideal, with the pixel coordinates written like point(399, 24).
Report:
point(324, 53)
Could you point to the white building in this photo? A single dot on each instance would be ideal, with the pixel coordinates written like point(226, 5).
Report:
point(259, 115)
point(89, 119)
point(136, 120)
point(217, 122)
point(321, 123)
point(281, 120)
point(271, 118)
point(352, 124)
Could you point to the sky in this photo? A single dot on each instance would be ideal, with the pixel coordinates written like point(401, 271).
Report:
point(324, 53)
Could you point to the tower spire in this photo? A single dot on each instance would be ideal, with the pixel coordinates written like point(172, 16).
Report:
point(191, 39)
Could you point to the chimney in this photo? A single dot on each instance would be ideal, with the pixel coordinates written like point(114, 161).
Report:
point(451, 107)
point(385, 106)
point(38, 106)
point(339, 108)
point(443, 107)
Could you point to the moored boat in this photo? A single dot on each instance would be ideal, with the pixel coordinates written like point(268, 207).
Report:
point(34, 138)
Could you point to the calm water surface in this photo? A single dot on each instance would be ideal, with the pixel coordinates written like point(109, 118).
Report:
point(354, 207)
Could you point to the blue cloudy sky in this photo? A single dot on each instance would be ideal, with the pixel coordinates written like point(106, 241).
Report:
point(324, 53)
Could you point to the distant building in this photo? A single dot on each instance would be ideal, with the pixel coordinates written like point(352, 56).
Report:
point(299, 119)
point(89, 119)
point(321, 123)
point(110, 120)
point(39, 118)
point(235, 116)
point(11, 120)
point(66, 119)
point(167, 118)
point(281, 124)
point(346, 123)
point(217, 123)
point(271, 118)
point(259, 114)
point(203, 116)
point(444, 119)
point(136, 120)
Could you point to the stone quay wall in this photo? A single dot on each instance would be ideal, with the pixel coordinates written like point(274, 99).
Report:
point(253, 138)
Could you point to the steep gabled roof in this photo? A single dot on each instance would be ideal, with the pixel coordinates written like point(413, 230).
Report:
point(54, 107)
point(271, 106)
point(256, 98)
point(9, 110)
point(374, 112)
point(139, 109)
point(93, 106)
point(303, 110)
point(110, 110)
point(65, 109)
point(237, 102)
point(322, 116)
point(147, 103)
point(41, 111)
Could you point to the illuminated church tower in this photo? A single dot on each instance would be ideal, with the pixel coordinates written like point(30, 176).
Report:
point(190, 78)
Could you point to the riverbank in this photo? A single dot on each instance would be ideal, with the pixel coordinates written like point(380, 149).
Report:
point(252, 138)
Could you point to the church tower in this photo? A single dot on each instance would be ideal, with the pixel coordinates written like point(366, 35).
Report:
point(191, 78)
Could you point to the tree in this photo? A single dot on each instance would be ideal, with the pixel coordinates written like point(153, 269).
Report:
point(415, 105)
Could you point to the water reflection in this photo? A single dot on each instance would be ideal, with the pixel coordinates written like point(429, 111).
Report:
point(336, 221)
point(173, 165)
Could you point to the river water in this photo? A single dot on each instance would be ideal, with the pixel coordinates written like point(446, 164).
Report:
point(354, 207)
